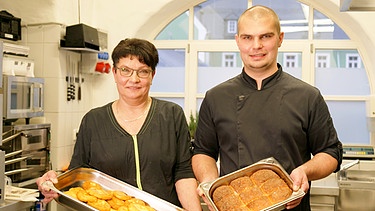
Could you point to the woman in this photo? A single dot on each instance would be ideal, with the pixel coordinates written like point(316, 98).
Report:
point(138, 139)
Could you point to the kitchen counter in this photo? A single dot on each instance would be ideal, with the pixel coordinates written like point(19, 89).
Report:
point(324, 193)
point(326, 186)
point(16, 205)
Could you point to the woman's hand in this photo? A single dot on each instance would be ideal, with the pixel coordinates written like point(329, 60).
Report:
point(49, 194)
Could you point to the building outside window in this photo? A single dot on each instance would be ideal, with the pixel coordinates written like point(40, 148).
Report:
point(229, 59)
point(353, 61)
point(322, 60)
point(232, 26)
point(290, 60)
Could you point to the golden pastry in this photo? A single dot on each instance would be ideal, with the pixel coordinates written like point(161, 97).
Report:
point(91, 184)
point(116, 203)
point(82, 195)
point(255, 192)
point(101, 205)
point(121, 195)
point(100, 193)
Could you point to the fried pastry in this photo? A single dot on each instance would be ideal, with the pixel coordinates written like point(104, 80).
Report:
point(116, 203)
point(82, 195)
point(91, 184)
point(121, 195)
point(94, 195)
point(100, 193)
point(100, 204)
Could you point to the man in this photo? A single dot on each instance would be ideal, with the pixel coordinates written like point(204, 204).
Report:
point(264, 112)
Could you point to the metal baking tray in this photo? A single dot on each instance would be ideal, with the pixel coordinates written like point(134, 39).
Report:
point(75, 178)
point(269, 163)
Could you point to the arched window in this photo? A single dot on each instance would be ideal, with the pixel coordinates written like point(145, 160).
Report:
point(198, 51)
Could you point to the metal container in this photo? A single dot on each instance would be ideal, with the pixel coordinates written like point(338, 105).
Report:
point(269, 163)
point(356, 182)
point(75, 178)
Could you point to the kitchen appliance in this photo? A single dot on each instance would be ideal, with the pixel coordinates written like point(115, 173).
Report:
point(23, 97)
point(18, 66)
point(82, 36)
point(10, 26)
point(356, 179)
point(26, 152)
point(2, 153)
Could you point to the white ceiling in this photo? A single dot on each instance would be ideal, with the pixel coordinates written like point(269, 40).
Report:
point(357, 5)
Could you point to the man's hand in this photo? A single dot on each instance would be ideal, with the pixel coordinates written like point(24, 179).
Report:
point(300, 181)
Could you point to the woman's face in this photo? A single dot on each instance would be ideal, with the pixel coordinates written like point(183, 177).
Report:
point(132, 87)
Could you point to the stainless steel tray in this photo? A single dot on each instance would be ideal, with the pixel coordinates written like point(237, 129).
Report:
point(269, 163)
point(76, 177)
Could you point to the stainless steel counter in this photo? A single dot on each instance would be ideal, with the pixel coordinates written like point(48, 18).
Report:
point(16, 206)
point(324, 194)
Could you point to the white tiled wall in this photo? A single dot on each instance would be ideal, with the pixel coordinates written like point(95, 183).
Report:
point(51, 64)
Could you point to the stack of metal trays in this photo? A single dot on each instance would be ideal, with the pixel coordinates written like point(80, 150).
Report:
point(269, 163)
point(75, 178)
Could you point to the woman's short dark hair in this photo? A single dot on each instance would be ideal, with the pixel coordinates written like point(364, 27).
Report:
point(144, 50)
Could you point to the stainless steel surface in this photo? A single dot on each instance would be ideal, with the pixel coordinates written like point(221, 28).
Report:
point(2, 153)
point(344, 168)
point(269, 163)
point(8, 155)
point(2, 177)
point(324, 194)
point(23, 97)
point(357, 188)
point(9, 205)
point(76, 177)
point(27, 151)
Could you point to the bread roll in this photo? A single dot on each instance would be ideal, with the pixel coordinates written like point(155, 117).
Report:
point(260, 190)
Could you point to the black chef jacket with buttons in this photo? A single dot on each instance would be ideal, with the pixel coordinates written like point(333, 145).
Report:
point(287, 119)
point(163, 146)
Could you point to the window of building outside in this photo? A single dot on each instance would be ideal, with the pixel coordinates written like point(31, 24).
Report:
point(209, 56)
point(290, 60)
point(232, 26)
point(322, 60)
point(353, 61)
point(229, 59)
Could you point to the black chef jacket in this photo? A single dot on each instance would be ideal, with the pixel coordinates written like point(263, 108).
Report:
point(163, 145)
point(287, 119)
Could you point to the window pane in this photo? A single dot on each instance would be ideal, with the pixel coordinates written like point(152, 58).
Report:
point(178, 29)
point(345, 69)
point(351, 126)
point(291, 63)
point(325, 28)
point(170, 72)
point(293, 17)
point(212, 70)
point(213, 17)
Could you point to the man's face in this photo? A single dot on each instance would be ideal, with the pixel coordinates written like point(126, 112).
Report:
point(258, 42)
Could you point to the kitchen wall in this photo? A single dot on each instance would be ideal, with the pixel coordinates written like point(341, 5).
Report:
point(44, 26)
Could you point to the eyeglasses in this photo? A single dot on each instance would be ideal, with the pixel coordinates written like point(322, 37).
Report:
point(127, 72)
